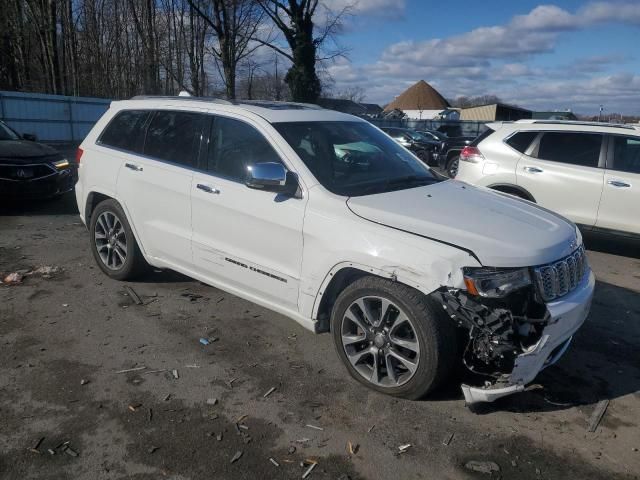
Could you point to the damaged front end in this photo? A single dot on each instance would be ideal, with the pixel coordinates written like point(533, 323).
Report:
point(512, 335)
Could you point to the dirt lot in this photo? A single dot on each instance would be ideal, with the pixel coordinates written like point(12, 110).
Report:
point(64, 338)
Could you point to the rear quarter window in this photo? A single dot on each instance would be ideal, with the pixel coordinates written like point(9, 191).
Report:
point(521, 140)
point(125, 131)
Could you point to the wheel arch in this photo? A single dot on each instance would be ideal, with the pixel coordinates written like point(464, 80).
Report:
point(512, 189)
point(344, 274)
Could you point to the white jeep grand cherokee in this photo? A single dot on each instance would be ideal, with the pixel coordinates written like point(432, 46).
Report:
point(322, 217)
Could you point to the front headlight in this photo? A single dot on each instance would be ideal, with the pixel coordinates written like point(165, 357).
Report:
point(60, 164)
point(495, 283)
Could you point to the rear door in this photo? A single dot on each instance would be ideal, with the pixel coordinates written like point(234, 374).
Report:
point(156, 184)
point(620, 204)
point(245, 239)
point(563, 173)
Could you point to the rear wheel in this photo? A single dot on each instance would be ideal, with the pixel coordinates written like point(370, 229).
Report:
point(112, 242)
point(452, 166)
point(393, 338)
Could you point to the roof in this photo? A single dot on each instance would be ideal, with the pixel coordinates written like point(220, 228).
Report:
point(349, 106)
point(499, 104)
point(420, 96)
point(564, 125)
point(273, 112)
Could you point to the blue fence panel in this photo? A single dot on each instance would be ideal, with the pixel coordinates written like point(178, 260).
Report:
point(52, 118)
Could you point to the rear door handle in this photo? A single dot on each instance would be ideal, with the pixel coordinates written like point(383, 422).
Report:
point(618, 183)
point(208, 188)
point(133, 166)
point(533, 170)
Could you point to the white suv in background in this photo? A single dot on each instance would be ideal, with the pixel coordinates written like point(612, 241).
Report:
point(322, 217)
point(588, 172)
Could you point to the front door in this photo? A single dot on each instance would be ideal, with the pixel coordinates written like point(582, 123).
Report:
point(620, 204)
point(563, 174)
point(246, 239)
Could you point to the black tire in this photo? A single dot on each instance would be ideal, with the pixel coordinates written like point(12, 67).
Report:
point(423, 155)
point(134, 263)
point(452, 166)
point(434, 332)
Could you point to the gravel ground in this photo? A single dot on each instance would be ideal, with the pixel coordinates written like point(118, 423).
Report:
point(64, 337)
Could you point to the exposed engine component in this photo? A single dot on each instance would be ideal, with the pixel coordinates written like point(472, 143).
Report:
point(497, 333)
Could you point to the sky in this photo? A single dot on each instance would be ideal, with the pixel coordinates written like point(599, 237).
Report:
point(567, 54)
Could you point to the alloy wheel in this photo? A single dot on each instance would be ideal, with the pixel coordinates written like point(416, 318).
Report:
point(380, 341)
point(111, 240)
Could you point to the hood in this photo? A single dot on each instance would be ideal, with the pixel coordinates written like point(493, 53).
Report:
point(21, 151)
point(500, 230)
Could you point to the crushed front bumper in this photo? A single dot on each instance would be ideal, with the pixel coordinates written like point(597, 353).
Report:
point(566, 315)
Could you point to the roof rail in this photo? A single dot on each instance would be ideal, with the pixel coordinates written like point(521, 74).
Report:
point(182, 98)
point(575, 122)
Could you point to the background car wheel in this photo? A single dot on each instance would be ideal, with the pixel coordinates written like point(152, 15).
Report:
point(452, 167)
point(423, 155)
point(112, 242)
point(393, 338)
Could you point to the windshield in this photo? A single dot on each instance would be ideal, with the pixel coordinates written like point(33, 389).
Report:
point(6, 133)
point(354, 158)
point(435, 135)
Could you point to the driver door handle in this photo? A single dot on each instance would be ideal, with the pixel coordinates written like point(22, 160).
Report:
point(533, 170)
point(208, 188)
point(618, 183)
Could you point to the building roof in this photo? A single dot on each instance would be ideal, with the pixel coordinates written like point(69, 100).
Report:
point(420, 96)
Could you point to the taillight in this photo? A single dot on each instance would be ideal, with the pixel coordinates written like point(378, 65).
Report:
point(471, 154)
point(79, 153)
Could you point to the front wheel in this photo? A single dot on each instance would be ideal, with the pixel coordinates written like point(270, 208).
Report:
point(393, 338)
point(112, 242)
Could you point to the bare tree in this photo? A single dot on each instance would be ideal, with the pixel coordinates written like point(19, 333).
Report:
point(297, 19)
point(235, 23)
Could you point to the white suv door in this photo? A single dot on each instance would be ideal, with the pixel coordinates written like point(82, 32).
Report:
point(620, 204)
point(245, 238)
point(563, 174)
point(155, 186)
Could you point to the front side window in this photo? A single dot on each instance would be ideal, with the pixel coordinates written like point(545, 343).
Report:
point(626, 157)
point(581, 149)
point(234, 145)
point(354, 158)
point(6, 133)
point(125, 131)
point(174, 136)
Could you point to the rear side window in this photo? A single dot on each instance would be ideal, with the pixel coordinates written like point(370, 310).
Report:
point(581, 149)
point(521, 140)
point(174, 137)
point(626, 154)
point(234, 145)
point(125, 131)
point(481, 137)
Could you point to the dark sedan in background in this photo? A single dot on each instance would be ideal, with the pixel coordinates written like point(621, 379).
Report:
point(423, 146)
point(31, 170)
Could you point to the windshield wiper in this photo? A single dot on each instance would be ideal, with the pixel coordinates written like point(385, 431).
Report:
point(393, 183)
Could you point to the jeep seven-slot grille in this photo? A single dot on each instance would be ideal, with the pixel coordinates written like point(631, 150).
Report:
point(559, 278)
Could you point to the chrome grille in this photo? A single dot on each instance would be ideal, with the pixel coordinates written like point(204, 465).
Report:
point(559, 278)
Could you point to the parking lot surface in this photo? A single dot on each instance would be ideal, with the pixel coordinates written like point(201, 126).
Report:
point(185, 410)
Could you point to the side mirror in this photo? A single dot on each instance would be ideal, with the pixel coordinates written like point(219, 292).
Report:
point(30, 137)
point(271, 177)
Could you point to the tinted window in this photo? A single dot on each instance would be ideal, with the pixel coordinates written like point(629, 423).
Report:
point(234, 145)
point(125, 130)
point(354, 158)
point(574, 148)
point(6, 133)
point(627, 154)
point(521, 140)
point(174, 137)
